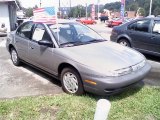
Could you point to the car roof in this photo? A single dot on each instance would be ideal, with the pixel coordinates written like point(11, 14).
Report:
point(149, 18)
point(59, 21)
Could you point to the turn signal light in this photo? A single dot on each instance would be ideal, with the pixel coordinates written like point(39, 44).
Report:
point(91, 82)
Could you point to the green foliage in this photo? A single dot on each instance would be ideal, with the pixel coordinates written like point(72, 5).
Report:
point(141, 12)
point(136, 103)
point(156, 11)
point(113, 6)
point(78, 11)
point(133, 5)
point(29, 11)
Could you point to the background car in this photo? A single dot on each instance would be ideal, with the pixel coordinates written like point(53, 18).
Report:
point(78, 56)
point(3, 30)
point(141, 34)
point(86, 21)
point(117, 21)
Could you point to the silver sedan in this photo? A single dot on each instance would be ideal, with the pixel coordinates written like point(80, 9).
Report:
point(78, 56)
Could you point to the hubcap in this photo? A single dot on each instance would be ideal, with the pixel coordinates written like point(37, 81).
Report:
point(14, 56)
point(124, 43)
point(70, 82)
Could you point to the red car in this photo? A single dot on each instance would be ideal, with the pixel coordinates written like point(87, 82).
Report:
point(86, 21)
point(114, 22)
point(117, 21)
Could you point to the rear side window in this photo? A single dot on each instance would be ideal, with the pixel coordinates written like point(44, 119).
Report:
point(141, 26)
point(132, 26)
point(156, 27)
point(25, 30)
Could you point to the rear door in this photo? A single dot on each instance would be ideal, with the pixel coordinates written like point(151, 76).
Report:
point(41, 56)
point(22, 38)
point(140, 33)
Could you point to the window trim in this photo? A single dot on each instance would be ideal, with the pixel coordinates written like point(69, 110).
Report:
point(149, 30)
point(19, 28)
point(46, 31)
point(130, 25)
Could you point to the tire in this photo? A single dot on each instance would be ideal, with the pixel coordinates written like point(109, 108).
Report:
point(14, 57)
point(74, 84)
point(124, 42)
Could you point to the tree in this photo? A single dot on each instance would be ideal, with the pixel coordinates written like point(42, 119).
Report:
point(19, 4)
point(113, 6)
point(141, 12)
point(133, 5)
point(78, 11)
point(156, 11)
point(29, 11)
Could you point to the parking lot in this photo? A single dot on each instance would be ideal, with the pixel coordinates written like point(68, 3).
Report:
point(27, 81)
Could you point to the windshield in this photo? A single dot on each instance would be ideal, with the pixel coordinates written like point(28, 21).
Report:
point(68, 34)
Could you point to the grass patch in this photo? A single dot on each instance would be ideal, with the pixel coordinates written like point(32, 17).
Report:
point(134, 104)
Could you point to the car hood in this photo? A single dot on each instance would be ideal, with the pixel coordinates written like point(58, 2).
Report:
point(107, 55)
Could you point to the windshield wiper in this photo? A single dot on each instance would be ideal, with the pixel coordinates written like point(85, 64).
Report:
point(70, 44)
point(96, 40)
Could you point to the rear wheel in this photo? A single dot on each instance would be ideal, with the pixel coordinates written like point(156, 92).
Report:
point(124, 42)
point(14, 57)
point(71, 82)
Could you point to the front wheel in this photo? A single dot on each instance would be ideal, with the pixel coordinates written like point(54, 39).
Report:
point(71, 82)
point(14, 57)
point(124, 42)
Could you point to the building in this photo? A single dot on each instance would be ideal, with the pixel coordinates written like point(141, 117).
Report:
point(64, 11)
point(8, 15)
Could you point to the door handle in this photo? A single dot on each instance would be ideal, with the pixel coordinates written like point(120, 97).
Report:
point(16, 41)
point(153, 37)
point(31, 48)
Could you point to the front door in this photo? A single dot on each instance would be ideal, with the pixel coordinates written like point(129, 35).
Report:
point(140, 33)
point(41, 56)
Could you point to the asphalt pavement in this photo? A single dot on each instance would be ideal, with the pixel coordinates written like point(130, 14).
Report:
point(27, 81)
point(24, 80)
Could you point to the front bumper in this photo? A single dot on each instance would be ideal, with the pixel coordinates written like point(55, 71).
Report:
point(113, 38)
point(111, 85)
point(3, 34)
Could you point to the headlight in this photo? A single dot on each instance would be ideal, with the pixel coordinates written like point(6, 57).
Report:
point(119, 72)
point(139, 65)
point(128, 70)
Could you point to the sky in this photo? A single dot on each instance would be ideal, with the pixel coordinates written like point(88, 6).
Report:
point(64, 3)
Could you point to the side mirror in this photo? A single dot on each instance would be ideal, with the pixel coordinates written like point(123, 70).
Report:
point(45, 43)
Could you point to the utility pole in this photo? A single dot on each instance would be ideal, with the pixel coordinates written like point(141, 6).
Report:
point(40, 3)
point(98, 9)
point(86, 12)
point(59, 9)
point(70, 4)
point(98, 5)
point(59, 5)
point(150, 9)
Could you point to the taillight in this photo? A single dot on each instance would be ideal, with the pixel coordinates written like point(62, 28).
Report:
point(114, 32)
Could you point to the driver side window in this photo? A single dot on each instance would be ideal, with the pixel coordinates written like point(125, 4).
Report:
point(40, 33)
